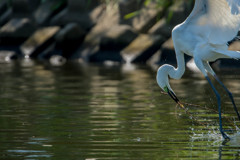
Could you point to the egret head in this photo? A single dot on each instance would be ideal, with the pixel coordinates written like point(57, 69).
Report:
point(163, 81)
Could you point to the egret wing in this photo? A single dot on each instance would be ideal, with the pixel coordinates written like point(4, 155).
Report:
point(219, 20)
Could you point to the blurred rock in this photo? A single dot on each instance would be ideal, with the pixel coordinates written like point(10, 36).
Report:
point(38, 41)
point(97, 13)
point(162, 28)
point(71, 31)
point(57, 60)
point(77, 11)
point(235, 46)
point(226, 64)
point(154, 60)
point(117, 38)
point(5, 17)
point(179, 11)
point(5, 56)
point(82, 5)
point(107, 20)
point(166, 54)
point(16, 31)
point(127, 7)
point(106, 56)
point(142, 48)
point(24, 8)
point(146, 18)
point(47, 10)
point(3, 6)
point(69, 39)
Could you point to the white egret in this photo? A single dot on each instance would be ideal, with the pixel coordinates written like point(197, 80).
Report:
point(204, 36)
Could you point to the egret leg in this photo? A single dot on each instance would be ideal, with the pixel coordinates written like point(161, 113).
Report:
point(219, 108)
point(210, 70)
point(230, 96)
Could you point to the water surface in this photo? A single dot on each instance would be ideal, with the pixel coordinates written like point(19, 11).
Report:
point(99, 112)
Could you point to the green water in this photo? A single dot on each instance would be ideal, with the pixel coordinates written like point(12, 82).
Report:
point(97, 112)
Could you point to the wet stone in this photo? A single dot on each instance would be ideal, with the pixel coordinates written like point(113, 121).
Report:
point(147, 18)
point(38, 41)
point(47, 10)
point(5, 56)
point(17, 29)
point(117, 38)
point(69, 39)
point(24, 8)
point(142, 48)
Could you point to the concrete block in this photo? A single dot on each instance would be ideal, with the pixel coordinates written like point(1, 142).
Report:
point(142, 48)
point(117, 38)
point(38, 41)
point(16, 30)
point(48, 10)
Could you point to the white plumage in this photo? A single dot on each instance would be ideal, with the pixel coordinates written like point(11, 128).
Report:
point(204, 36)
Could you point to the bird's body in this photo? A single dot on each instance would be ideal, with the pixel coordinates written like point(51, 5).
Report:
point(204, 35)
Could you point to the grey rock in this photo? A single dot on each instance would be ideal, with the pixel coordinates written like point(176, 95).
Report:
point(77, 11)
point(47, 10)
point(38, 41)
point(146, 18)
point(178, 12)
point(117, 38)
point(69, 39)
point(5, 56)
point(106, 21)
point(162, 28)
point(142, 48)
point(24, 8)
point(3, 6)
point(5, 17)
point(16, 29)
point(127, 7)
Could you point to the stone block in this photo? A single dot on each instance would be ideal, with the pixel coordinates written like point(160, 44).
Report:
point(142, 48)
point(162, 28)
point(3, 6)
point(16, 30)
point(48, 10)
point(69, 39)
point(127, 7)
point(82, 5)
point(227, 63)
point(167, 54)
point(147, 18)
point(108, 19)
point(106, 56)
point(5, 56)
point(5, 17)
point(57, 60)
point(179, 11)
point(24, 8)
point(117, 38)
point(64, 17)
point(77, 12)
point(38, 41)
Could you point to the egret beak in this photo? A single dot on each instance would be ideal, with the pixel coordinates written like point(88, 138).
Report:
point(174, 97)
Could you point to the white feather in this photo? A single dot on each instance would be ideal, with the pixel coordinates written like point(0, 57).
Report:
point(219, 19)
point(204, 36)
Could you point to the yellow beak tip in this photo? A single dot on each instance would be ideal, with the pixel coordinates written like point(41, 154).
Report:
point(181, 105)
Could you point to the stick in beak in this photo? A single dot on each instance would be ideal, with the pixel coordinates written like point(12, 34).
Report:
point(174, 97)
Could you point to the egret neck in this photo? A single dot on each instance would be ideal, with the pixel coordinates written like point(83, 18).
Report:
point(166, 71)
